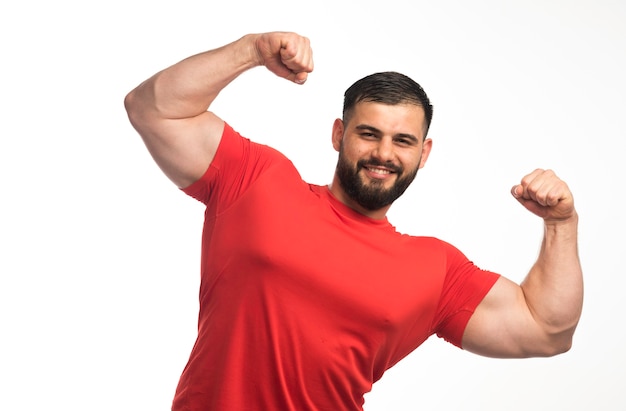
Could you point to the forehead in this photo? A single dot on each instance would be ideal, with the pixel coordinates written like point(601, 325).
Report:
point(396, 118)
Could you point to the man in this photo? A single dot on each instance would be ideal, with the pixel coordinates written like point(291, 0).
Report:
point(308, 294)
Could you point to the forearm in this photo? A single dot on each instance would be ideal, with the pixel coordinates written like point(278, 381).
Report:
point(554, 286)
point(539, 317)
point(171, 110)
point(188, 88)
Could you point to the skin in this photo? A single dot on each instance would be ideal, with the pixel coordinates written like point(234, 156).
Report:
point(385, 133)
point(171, 112)
point(538, 317)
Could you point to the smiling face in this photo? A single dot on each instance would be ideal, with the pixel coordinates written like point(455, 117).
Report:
point(381, 147)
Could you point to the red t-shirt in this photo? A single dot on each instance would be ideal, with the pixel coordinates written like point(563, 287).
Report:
point(304, 303)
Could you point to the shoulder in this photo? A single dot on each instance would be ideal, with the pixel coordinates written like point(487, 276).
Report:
point(238, 164)
point(429, 243)
point(235, 144)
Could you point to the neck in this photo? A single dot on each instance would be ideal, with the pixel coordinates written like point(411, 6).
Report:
point(338, 192)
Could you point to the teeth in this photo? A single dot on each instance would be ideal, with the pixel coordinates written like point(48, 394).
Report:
point(379, 171)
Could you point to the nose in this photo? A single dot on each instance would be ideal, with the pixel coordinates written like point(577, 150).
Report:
point(384, 150)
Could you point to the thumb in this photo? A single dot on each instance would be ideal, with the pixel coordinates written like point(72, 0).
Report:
point(300, 78)
point(517, 191)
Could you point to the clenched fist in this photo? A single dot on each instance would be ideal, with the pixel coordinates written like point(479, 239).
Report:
point(546, 195)
point(288, 55)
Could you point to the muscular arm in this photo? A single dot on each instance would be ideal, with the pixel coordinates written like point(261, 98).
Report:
point(538, 317)
point(169, 110)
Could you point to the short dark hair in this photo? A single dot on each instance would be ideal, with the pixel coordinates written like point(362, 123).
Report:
point(387, 87)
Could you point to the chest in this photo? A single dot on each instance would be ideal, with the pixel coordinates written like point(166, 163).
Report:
point(293, 245)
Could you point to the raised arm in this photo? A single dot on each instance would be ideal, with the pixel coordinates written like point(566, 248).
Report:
point(169, 110)
point(538, 317)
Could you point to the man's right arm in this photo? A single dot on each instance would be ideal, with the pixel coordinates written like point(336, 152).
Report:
point(169, 110)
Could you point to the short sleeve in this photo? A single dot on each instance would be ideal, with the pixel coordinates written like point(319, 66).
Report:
point(238, 162)
point(464, 288)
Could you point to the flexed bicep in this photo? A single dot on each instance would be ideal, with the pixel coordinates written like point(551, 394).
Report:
point(503, 326)
point(182, 148)
point(170, 109)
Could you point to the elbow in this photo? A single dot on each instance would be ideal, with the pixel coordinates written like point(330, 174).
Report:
point(130, 105)
point(137, 111)
point(141, 108)
point(557, 343)
point(556, 335)
point(560, 347)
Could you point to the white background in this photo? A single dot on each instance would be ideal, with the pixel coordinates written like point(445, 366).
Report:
point(99, 252)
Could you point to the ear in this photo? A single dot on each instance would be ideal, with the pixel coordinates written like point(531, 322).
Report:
point(426, 147)
point(337, 134)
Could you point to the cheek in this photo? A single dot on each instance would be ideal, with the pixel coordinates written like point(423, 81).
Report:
point(411, 162)
point(350, 152)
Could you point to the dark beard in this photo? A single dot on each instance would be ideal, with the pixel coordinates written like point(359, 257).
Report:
point(373, 196)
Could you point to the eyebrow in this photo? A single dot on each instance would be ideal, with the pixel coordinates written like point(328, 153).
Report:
point(377, 131)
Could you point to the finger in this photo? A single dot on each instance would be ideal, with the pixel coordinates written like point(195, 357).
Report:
point(525, 191)
point(546, 188)
point(297, 57)
point(300, 78)
point(547, 194)
point(517, 191)
point(543, 193)
point(529, 180)
point(285, 54)
point(532, 183)
point(555, 192)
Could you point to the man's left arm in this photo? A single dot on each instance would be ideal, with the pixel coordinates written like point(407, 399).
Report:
point(538, 317)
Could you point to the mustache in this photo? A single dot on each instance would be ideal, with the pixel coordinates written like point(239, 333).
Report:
point(372, 162)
